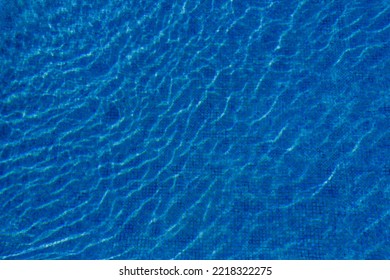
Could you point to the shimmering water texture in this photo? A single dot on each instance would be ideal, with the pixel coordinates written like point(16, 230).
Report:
point(204, 129)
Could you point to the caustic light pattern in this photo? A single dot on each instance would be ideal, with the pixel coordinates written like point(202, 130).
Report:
point(205, 129)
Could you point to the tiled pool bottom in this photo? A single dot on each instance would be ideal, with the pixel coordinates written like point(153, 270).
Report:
point(194, 130)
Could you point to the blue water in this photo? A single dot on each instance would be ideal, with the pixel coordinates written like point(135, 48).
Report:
point(202, 129)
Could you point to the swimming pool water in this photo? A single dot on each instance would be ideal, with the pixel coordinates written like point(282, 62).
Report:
point(205, 129)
